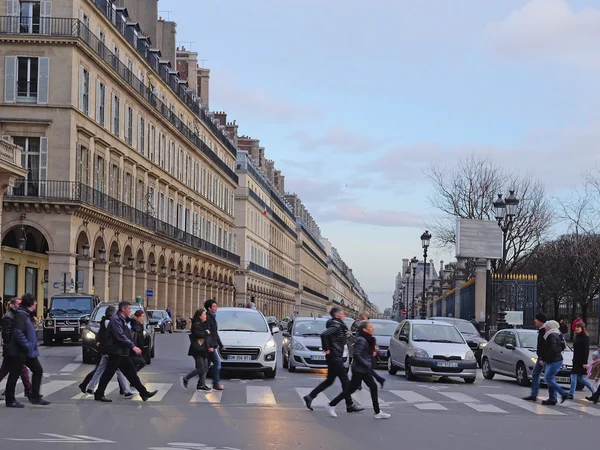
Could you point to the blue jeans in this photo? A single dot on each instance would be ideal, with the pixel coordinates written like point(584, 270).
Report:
point(535, 378)
point(550, 377)
point(582, 379)
point(216, 370)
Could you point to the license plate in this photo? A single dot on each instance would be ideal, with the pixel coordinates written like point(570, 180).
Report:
point(318, 358)
point(446, 364)
point(239, 358)
point(66, 329)
point(563, 379)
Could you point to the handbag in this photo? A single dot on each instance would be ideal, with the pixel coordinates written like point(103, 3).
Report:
point(198, 345)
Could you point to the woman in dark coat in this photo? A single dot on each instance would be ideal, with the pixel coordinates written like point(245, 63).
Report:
point(581, 350)
point(199, 351)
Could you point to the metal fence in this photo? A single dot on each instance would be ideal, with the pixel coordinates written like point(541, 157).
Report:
point(521, 295)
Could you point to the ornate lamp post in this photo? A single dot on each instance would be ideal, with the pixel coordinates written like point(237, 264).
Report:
point(425, 239)
point(506, 210)
point(413, 266)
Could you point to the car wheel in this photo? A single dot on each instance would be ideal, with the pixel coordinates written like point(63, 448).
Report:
point(147, 357)
point(521, 374)
point(284, 361)
point(153, 351)
point(75, 339)
point(469, 380)
point(392, 369)
point(271, 373)
point(408, 371)
point(291, 368)
point(487, 369)
point(47, 340)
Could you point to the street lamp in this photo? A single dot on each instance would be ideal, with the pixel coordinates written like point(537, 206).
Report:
point(86, 250)
point(413, 265)
point(506, 210)
point(102, 255)
point(425, 238)
point(163, 270)
point(117, 259)
point(153, 267)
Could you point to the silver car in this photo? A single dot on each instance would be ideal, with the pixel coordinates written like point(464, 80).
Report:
point(301, 347)
point(431, 348)
point(513, 353)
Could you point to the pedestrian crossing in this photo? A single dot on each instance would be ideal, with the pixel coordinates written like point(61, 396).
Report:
point(282, 395)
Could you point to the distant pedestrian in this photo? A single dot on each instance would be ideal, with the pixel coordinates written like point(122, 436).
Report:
point(214, 342)
point(7, 325)
point(555, 344)
point(593, 374)
point(563, 328)
point(333, 341)
point(199, 337)
point(581, 353)
point(539, 321)
point(362, 369)
point(170, 313)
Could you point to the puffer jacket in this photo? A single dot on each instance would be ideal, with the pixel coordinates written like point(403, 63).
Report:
point(7, 324)
point(23, 341)
point(363, 356)
point(556, 345)
point(334, 338)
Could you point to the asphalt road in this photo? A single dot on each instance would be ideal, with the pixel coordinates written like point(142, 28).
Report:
point(258, 414)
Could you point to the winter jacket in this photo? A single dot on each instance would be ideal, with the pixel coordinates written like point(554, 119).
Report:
point(334, 338)
point(199, 331)
point(7, 324)
point(564, 329)
point(581, 351)
point(363, 356)
point(214, 341)
point(137, 330)
point(542, 345)
point(23, 341)
point(555, 348)
point(118, 336)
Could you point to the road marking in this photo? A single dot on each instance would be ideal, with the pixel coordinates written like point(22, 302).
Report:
point(526, 405)
point(70, 368)
point(363, 397)
point(79, 358)
point(459, 397)
point(52, 386)
point(410, 396)
point(584, 409)
point(261, 395)
point(207, 397)
point(162, 389)
point(62, 439)
point(112, 386)
point(430, 407)
point(480, 407)
point(320, 402)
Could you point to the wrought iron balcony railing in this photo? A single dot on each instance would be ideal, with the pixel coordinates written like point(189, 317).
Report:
point(313, 292)
point(268, 273)
point(69, 191)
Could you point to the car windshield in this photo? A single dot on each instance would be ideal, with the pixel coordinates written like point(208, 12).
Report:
point(436, 333)
point(310, 328)
point(157, 314)
point(240, 320)
point(463, 326)
point(71, 304)
point(384, 328)
point(528, 340)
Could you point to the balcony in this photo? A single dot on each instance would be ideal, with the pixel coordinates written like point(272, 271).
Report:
point(74, 28)
point(79, 193)
point(267, 273)
point(315, 293)
point(253, 195)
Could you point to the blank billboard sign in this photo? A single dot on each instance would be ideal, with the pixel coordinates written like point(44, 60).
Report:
point(478, 239)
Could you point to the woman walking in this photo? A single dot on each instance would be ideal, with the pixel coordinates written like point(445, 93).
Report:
point(581, 350)
point(554, 360)
point(362, 367)
point(199, 351)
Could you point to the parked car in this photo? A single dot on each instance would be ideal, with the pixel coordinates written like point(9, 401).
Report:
point(67, 315)
point(283, 325)
point(430, 348)
point(248, 340)
point(513, 353)
point(301, 347)
point(473, 337)
point(273, 324)
point(160, 320)
point(90, 353)
point(384, 330)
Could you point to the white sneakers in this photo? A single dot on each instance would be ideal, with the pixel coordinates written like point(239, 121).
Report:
point(331, 410)
point(381, 415)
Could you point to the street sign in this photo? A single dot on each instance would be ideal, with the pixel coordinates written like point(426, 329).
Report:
point(403, 312)
point(149, 292)
point(138, 299)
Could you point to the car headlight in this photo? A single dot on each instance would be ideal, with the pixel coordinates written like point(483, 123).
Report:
point(49, 323)
point(470, 355)
point(482, 344)
point(533, 359)
point(298, 346)
point(89, 335)
point(420, 353)
point(270, 344)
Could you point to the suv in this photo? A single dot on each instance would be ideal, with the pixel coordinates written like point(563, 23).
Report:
point(90, 354)
point(67, 316)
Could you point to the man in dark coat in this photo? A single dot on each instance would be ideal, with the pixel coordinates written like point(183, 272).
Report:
point(215, 343)
point(540, 320)
point(7, 326)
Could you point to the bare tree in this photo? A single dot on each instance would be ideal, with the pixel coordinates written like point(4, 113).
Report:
point(469, 190)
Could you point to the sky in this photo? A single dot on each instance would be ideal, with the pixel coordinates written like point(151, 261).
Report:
point(354, 100)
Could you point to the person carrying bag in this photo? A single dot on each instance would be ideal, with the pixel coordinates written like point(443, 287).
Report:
point(199, 351)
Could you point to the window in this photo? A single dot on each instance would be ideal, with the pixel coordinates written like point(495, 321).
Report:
point(128, 125)
point(82, 166)
point(114, 187)
point(141, 135)
point(99, 174)
point(84, 90)
point(34, 158)
point(101, 43)
point(100, 103)
point(30, 18)
point(152, 202)
point(27, 79)
point(116, 115)
point(499, 338)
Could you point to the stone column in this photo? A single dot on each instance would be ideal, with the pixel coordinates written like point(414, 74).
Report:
point(115, 283)
point(141, 284)
point(101, 281)
point(129, 284)
point(460, 280)
point(180, 298)
point(189, 298)
point(171, 297)
point(202, 291)
point(87, 265)
point(195, 295)
point(162, 282)
point(152, 283)
point(59, 263)
point(481, 266)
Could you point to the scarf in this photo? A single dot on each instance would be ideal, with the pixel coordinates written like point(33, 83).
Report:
point(552, 331)
point(370, 339)
point(591, 367)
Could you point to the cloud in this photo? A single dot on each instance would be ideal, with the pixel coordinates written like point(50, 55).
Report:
point(550, 30)
point(337, 139)
point(353, 212)
point(314, 190)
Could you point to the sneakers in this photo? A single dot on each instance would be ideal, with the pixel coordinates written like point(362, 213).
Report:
point(39, 401)
point(218, 387)
point(381, 415)
point(129, 395)
point(331, 410)
point(15, 404)
point(354, 408)
point(184, 382)
point(204, 388)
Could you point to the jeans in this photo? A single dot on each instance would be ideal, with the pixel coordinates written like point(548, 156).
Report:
point(535, 378)
point(125, 364)
point(201, 369)
point(335, 369)
point(5, 370)
point(550, 377)
point(216, 370)
point(582, 379)
point(123, 384)
point(355, 382)
point(16, 368)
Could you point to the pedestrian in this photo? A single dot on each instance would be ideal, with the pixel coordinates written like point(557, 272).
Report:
point(170, 313)
point(7, 324)
point(555, 344)
point(362, 369)
point(593, 373)
point(333, 341)
point(119, 346)
point(352, 339)
point(563, 328)
point(214, 342)
point(581, 352)
point(199, 351)
point(539, 321)
point(138, 321)
point(23, 349)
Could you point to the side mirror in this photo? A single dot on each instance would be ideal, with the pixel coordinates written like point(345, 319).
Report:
point(275, 330)
point(403, 338)
point(509, 347)
point(285, 334)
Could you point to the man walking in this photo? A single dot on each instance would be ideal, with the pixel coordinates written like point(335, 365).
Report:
point(215, 343)
point(119, 346)
point(23, 349)
point(333, 340)
point(7, 324)
point(540, 320)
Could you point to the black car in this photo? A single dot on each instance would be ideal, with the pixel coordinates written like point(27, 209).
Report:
point(160, 320)
point(473, 337)
point(67, 315)
point(91, 355)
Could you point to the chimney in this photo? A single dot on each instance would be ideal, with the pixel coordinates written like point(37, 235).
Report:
point(269, 167)
point(404, 265)
point(281, 185)
point(261, 157)
point(430, 269)
point(221, 117)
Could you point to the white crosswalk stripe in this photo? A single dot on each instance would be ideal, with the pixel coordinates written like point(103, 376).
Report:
point(320, 402)
point(431, 407)
point(52, 387)
point(584, 409)
point(112, 386)
point(260, 395)
point(69, 368)
point(162, 389)
point(207, 397)
point(410, 396)
point(363, 397)
point(535, 408)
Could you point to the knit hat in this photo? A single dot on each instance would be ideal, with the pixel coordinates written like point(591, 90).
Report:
point(552, 324)
point(541, 317)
